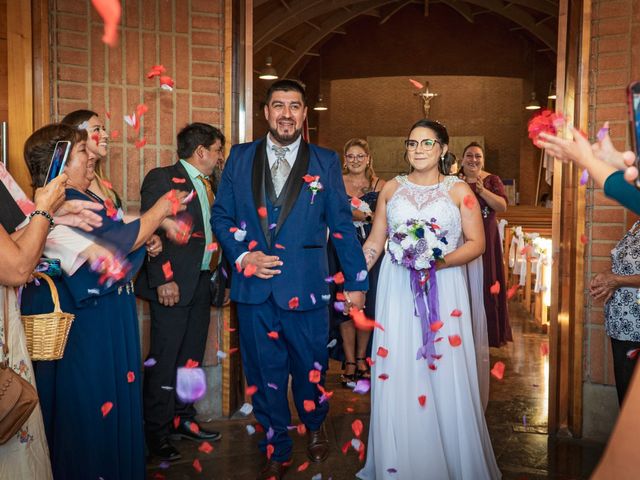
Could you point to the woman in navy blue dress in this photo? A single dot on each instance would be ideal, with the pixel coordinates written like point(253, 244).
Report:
point(363, 185)
point(91, 398)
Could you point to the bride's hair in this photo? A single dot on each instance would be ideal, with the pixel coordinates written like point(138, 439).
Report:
point(441, 134)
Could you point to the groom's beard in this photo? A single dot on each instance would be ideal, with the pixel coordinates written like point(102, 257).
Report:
point(285, 140)
point(215, 178)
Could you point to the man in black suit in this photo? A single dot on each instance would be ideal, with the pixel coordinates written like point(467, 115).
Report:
point(177, 285)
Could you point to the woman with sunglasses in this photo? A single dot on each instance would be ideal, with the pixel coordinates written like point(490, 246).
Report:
point(427, 419)
point(363, 187)
point(492, 198)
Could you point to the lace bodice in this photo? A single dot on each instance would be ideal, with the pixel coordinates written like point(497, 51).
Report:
point(411, 201)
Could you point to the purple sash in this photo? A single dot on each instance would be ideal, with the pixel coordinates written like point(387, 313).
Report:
point(425, 301)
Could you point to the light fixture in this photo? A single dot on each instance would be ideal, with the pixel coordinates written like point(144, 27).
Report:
point(268, 73)
point(552, 91)
point(533, 104)
point(320, 106)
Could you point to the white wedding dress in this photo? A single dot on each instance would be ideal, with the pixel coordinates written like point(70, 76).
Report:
point(446, 438)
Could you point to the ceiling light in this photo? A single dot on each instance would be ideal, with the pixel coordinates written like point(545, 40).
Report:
point(320, 106)
point(533, 104)
point(268, 73)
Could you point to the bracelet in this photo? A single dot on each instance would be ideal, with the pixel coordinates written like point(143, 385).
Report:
point(45, 215)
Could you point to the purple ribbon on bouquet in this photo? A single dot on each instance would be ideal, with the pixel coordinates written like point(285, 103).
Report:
point(425, 301)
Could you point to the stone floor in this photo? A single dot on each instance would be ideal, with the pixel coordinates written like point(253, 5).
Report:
point(516, 416)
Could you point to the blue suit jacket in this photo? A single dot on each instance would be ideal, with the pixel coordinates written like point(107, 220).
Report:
point(301, 228)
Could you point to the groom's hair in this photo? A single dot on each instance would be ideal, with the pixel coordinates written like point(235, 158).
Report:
point(286, 85)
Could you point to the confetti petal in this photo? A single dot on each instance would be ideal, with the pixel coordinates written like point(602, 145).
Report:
point(250, 390)
point(252, 245)
point(416, 84)
point(273, 335)
point(357, 427)
point(456, 313)
point(337, 235)
point(141, 142)
point(309, 405)
point(361, 275)
point(338, 278)
point(272, 385)
point(115, 134)
point(495, 288)
point(131, 377)
point(437, 325)
point(584, 239)
point(383, 376)
point(498, 370)
point(632, 354)
point(382, 352)
point(303, 467)
point(512, 291)
point(250, 269)
point(167, 271)
point(584, 178)
point(196, 466)
point(191, 384)
point(294, 303)
point(205, 447)
point(422, 400)
point(362, 386)
point(150, 362)
point(544, 349)
point(455, 340)
point(178, 180)
point(110, 11)
point(262, 212)
point(106, 408)
point(314, 376)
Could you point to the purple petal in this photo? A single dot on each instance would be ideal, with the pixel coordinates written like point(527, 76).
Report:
point(191, 384)
point(272, 385)
point(602, 133)
point(339, 306)
point(317, 366)
point(243, 225)
point(164, 465)
point(313, 298)
point(584, 177)
point(150, 362)
point(363, 386)
point(332, 343)
point(362, 274)
point(270, 433)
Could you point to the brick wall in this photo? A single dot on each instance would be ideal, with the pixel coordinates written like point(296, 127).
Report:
point(186, 36)
point(614, 63)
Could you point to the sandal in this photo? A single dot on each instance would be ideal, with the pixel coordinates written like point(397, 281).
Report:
point(363, 373)
point(348, 380)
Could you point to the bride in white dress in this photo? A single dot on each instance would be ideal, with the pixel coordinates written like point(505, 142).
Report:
point(427, 419)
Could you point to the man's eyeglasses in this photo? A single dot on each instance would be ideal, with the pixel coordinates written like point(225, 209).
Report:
point(351, 157)
point(427, 144)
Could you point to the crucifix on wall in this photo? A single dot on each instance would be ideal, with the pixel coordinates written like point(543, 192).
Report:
point(425, 95)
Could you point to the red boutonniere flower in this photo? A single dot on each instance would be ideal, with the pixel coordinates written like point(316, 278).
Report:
point(314, 185)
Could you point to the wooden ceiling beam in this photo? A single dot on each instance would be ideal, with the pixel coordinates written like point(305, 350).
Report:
point(335, 20)
point(461, 7)
point(394, 11)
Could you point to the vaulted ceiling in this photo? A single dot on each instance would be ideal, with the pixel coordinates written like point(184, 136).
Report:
point(292, 31)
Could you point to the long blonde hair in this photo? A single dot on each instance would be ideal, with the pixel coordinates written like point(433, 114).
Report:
point(364, 145)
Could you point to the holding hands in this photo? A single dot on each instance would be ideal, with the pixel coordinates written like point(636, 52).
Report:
point(603, 285)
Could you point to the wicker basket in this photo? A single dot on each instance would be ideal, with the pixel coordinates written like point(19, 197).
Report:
point(47, 332)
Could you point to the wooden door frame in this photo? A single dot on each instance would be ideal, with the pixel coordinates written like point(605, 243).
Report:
point(567, 294)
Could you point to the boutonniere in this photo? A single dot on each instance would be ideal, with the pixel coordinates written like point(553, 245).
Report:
point(314, 185)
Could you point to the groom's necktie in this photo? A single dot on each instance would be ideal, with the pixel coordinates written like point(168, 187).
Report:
point(280, 169)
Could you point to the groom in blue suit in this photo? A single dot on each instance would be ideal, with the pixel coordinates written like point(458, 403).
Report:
point(278, 199)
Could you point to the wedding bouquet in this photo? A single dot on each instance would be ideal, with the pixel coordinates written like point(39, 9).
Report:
point(416, 244)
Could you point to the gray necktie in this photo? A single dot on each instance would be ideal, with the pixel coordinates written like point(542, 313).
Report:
point(280, 169)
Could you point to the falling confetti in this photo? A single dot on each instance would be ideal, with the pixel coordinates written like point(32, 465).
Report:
point(131, 377)
point(294, 303)
point(456, 313)
point(437, 325)
point(314, 376)
point(106, 408)
point(250, 429)
point(250, 390)
point(196, 466)
point(495, 288)
point(498, 370)
point(357, 427)
point(150, 362)
point(205, 447)
point(337, 235)
point(178, 180)
point(361, 275)
point(584, 178)
point(191, 384)
point(362, 386)
point(512, 291)
point(455, 340)
point(110, 11)
point(250, 270)
point(262, 212)
point(252, 244)
point(303, 467)
point(167, 271)
point(273, 335)
point(584, 239)
point(382, 352)
point(544, 349)
point(633, 354)
point(416, 84)
point(309, 405)
point(422, 400)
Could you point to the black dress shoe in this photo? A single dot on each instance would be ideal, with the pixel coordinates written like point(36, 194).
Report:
point(273, 470)
point(164, 450)
point(317, 445)
point(192, 431)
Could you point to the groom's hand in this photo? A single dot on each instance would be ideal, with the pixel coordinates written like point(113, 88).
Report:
point(354, 299)
point(265, 264)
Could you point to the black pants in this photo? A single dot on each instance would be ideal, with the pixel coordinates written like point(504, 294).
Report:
point(177, 335)
point(622, 365)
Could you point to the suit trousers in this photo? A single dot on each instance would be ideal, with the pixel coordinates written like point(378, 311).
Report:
point(268, 362)
point(623, 366)
point(177, 335)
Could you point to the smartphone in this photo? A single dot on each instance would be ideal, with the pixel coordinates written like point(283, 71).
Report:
point(634, 117)
point(58, 159)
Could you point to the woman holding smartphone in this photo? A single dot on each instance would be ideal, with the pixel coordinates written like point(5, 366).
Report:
point(91, 398)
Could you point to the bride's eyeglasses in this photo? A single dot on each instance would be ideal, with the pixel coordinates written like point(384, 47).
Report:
point(427, 144)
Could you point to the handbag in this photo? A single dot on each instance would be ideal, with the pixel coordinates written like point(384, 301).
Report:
point(18, 398)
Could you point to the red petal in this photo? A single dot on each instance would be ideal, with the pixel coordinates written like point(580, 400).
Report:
point(382, 352)
point(308, 178)
point(314, 376)
point(584, 239)
point(114, 134)
point(301, 428)
point(252, 245)
point(469, 201)
point(357, 427)
point(250, 390)
point(337, 235)
point(498, 370)
point(205, 447)
point(309, 405)
point(303, 467)
point(191, 364)
point(141, 109)
point(141, 143)
point(110, 11)
point(196, 466)
point(106, 408)
point(176, 422)
point(437, 325)
point(212, 247)
point(281, 247)
point(166, 269)
point(456, 313)
point(455, 340)
point(273, 335)
point(262, 212)
point(178, 180)
point(338, 278)
point(512, 291)
point(131, 377)
point(383, 376)
point(416, 84)
point(193, 426)
point(422, 400)
point(544, 349)
point(495, 288)
point(250, 269)
point(294, 303)
point(355, 202)
point(345, 447)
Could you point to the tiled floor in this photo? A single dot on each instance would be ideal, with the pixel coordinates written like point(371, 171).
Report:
point(516, 415)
